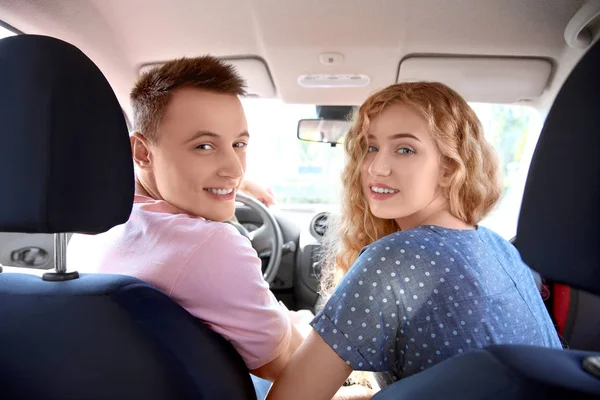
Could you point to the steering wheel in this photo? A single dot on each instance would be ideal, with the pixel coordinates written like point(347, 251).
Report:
point(266, 240)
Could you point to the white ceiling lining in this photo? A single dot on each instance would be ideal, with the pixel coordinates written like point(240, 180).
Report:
point(373, 35)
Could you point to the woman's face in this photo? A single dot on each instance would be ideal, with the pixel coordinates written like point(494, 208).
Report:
point(402, 171)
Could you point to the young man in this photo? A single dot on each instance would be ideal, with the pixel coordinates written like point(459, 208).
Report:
point(189, 149)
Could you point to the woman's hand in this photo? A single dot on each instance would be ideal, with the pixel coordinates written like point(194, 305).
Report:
point(354, 392)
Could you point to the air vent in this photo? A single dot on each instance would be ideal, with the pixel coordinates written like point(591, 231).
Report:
point(318, 225)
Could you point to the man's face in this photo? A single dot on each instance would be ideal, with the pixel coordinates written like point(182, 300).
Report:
point(199, 158)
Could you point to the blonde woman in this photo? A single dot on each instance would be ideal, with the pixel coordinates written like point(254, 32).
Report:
point(421, 281)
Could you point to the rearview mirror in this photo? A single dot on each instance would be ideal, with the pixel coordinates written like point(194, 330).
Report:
point(323, 130)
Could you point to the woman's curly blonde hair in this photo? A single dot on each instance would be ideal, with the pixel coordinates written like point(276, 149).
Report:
point(475, 185)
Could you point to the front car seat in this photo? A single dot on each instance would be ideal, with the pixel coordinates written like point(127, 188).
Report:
point(65, 166)
point(559, 236)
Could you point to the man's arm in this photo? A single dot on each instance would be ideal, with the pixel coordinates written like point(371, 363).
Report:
point(222, 284)
point(273, 369)
point(300, 329)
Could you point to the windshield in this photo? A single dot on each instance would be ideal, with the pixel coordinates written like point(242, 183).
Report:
point(299, 172)
point(307, 175)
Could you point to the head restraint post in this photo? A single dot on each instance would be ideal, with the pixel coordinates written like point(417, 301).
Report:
point(60, 261)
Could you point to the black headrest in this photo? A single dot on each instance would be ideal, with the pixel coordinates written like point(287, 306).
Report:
point(559, 225)
point(65, 157)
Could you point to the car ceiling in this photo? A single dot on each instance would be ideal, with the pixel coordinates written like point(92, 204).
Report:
point(374, 36)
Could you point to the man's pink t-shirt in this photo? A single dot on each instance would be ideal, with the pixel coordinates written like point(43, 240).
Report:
point(207, 267)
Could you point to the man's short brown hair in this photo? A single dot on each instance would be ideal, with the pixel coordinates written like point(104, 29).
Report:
point(150, 95)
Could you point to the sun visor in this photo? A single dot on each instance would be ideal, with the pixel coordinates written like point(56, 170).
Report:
point(253, 70)
point(481, 79)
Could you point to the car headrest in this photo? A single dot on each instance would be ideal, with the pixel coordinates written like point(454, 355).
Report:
point(65, 157)
point(559, 225)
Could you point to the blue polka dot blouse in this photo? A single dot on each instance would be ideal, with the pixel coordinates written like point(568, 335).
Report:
point(417, 297)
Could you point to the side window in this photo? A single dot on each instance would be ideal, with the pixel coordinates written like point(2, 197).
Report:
point(6, 31)
point(127, 121)
point(513, 130)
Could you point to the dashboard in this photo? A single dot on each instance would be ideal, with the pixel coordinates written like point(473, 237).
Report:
point(299, 270)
